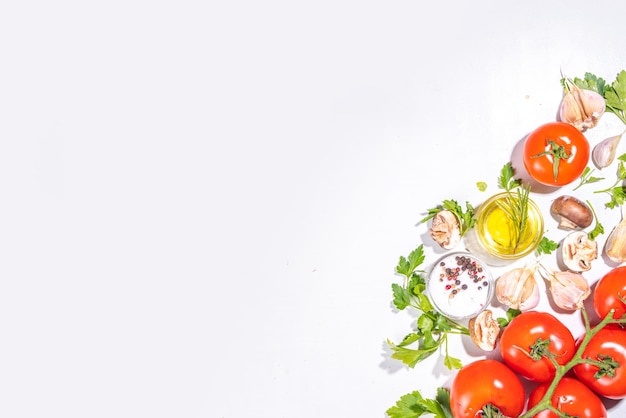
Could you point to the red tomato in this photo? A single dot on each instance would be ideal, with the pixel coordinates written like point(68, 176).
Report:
point(571, 397)
point(521, 348)
point(556, 154)
point(607, 343)
point(485, 382)
point(609, 292)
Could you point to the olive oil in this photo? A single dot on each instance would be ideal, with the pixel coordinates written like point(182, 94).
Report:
point(497, 233)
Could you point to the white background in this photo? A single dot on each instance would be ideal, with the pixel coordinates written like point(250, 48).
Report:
point(202, 203)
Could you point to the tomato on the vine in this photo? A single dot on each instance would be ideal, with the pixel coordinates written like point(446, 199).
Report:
point(528, 341)
point(485, 383)
point(610, 293)
point(571, 397)
point(556, 154)
point(606, 375)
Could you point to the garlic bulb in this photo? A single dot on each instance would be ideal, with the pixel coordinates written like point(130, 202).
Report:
point(604, 152)
point(615, 245)
point(568, 290)
point(518, 288)
point(580, 107)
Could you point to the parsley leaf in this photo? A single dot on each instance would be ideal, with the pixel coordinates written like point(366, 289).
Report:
point(617, 191)
point(413, 405)
point(587, 178)
point(507, 180)
point(465, 216)
point(432, 328)
point(408, 406)
point(547, 246)
point(615, 96)
point(598, 229)
point(510, 314)
point(481, 185)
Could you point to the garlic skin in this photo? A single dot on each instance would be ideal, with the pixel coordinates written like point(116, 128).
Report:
point(445, 229)
point(568, 290)
point(604, 152)
point(615, 245)
point(580, 107)
point(518, 288)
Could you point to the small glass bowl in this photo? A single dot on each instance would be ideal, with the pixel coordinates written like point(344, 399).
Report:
point(460, 286)
point(493, 231)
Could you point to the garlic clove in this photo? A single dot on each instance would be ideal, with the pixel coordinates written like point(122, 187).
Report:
point(518, 288)
point(615, 245)
point(581, 107)
point(484, 330)
point(568, 290)
point(445, 229)
point(604, 152)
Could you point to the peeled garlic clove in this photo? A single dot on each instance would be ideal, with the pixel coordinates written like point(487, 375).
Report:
point(518, 288)
point(569, 290)
point(604, 152)
point(445, 229)
point(484, 330)
point(615, 245)
point(578, 251)
point(581, 107)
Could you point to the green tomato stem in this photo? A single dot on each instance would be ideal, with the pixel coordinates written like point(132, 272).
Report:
point(561, 370)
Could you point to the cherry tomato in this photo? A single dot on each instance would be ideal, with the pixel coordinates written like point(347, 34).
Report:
point(571, 397)
point(608, 344)
point(531, 335)
point(556, 154)
point(486, 382)
point(609, 292)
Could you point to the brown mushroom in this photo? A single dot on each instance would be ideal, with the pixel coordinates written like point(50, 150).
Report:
point(579, 251)
point(572, 213)
point(445, 229)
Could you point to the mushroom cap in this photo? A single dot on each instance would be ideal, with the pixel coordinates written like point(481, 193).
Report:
point(571, 212)
point(579, 251)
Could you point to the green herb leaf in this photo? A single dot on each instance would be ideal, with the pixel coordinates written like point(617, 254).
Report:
point(587, 178)
point(547, 246)
point(443, 397)
point(410, 356)
point(481, 185)
point(510, 314)
point(401, 296)
point(464, 216)
point(506, 180)
point(598, 229)
point(408, 406)
point(452, 362)
point(615, 96)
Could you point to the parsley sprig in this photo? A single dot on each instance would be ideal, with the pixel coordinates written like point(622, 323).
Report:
point(587, 178)
point(617, 191)
point(413, 405)
point(466, 217)
point(432, 328)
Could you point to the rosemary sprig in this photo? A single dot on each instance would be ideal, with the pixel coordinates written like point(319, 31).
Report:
point(515, 205)
point(516, 208)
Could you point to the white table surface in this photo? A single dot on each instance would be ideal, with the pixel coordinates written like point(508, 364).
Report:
point(203, 202)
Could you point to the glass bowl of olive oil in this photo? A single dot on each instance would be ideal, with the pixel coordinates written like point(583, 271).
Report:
point(503, 237)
